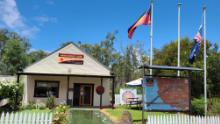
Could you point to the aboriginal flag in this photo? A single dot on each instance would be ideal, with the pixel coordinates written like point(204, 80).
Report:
point(145, 19)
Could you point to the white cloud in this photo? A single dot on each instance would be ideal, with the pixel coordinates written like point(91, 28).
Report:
point(12, 18)
point(10, 15)
point(29, 31)
point(45, 19)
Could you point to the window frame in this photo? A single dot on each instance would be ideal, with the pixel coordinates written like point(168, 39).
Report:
point(46, 81)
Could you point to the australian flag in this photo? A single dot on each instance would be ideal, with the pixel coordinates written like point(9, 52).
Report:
point(197, 43)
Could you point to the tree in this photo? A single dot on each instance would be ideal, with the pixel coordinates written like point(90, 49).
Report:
point(104, 51)
point(14, 54)
point(37, 55)
point(12, 91)
point(168, 56)
point(126, 66)
point(108, 49)
point(213, 69)
point(3, 39)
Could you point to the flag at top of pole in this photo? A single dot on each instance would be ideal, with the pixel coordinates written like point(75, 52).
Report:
point(198, 37)
point(197, 43)
point(145, 19)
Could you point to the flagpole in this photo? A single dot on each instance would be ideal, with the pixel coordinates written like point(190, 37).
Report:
point(151, 36)
point(178, 56)
point(204, 57)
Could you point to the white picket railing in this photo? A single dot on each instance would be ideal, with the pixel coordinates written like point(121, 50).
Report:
point(26, 118)
point(182, 119)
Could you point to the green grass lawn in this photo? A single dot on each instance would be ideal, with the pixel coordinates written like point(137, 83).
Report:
point(35, 110)
point(136, 114)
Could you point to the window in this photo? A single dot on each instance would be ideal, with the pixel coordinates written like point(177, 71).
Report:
point(46, 88)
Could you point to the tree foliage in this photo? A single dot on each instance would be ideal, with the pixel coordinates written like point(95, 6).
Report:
point(13, 91)
point(14, 53)
point(37, 55)
point(213, 68)
point(168, 56)
point(104, 51)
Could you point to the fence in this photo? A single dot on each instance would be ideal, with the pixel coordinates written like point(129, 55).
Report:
point(182, 119)
point(26, 118)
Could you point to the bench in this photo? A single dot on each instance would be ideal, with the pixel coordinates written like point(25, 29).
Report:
point(134, 101)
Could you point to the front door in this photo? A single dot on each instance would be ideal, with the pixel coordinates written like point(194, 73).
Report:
point(83, 95)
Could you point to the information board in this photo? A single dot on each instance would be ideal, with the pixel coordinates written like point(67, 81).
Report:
point(126, 95)
point(166, 94)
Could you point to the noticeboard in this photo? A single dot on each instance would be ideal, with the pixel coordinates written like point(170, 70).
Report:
point(166, 94)
point(126, 95)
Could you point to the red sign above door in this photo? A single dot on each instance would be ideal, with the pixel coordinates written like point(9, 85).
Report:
point(70, 58)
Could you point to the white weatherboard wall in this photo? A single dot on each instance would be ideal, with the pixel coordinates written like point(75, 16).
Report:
point(30, 84)
point(106, 97)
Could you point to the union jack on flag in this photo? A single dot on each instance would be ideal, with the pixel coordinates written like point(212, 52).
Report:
point(199, 34)
point(195, 49)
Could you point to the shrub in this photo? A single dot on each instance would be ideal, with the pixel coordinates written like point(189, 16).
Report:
point(42, 106)
point(198, 106)
point(61, 114)
point(50, 102)
point(13, 91)
point(214, 106)
point(30, 105)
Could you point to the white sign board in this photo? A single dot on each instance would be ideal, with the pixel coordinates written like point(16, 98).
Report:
point(126, 95)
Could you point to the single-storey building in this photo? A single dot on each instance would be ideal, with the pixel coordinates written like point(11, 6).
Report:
point(71, 75)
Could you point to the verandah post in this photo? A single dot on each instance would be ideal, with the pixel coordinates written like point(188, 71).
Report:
point(113, 91)
point(67, 92)
point(100, 104)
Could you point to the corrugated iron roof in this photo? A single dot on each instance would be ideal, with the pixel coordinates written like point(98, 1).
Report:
point(160, 67)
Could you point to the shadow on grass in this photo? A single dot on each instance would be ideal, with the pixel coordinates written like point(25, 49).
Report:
point(139, 121)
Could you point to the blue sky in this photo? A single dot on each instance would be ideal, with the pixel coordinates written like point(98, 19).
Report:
point(48, 23)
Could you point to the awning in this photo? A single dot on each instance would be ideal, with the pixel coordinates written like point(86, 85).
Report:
point(136, 82)
point(161, 67)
